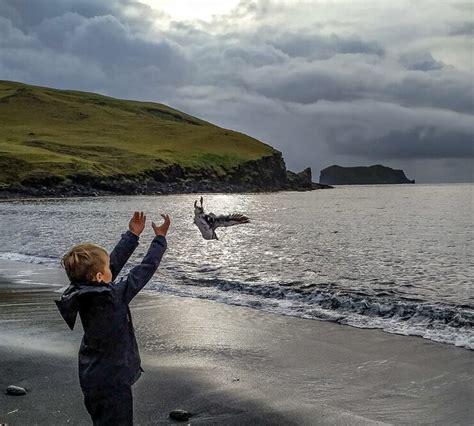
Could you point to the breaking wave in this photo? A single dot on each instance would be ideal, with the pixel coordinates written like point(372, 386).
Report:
point(451, 324)
point(385, 309)
point(27, 258)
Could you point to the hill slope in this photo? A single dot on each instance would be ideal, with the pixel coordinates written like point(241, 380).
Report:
point(61, 142)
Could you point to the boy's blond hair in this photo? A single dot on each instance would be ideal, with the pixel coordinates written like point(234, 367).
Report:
point(83, 261)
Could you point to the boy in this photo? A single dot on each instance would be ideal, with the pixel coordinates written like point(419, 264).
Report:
point(109, 362)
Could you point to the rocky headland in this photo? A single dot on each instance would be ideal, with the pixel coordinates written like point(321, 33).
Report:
point(377, 174)
point(61, 143)
point(267, 174)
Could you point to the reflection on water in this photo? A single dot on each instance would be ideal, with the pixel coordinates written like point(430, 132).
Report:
point(375, 251)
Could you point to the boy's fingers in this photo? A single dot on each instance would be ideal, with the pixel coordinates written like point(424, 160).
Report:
point(144, 218)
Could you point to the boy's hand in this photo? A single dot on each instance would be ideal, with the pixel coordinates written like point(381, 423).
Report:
point(137, 223)
point(162, 229)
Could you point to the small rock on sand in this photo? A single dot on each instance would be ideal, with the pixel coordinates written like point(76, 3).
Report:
point(15, 390)
point(180, 415)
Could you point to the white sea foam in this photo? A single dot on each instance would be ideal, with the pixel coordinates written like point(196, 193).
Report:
point(28, 258)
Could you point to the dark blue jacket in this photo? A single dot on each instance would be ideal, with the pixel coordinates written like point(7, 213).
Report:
point(109, 352)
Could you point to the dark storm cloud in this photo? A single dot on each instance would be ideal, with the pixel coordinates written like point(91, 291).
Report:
point(420, 61)
point(319, 89)
point(87, 45)
point(26, 14)
point(317, 46)
point(108, 41)
point(13, 38)
point(463, 28)
point(446, 89)
point(351, 77)
point(421, 142)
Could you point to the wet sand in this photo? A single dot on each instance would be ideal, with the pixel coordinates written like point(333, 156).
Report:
point(229, 365)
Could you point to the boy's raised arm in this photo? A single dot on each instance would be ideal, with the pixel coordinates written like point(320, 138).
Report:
point(142, 273)
point(127, 244)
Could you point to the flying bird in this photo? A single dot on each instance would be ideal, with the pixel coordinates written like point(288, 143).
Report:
point(207, 223)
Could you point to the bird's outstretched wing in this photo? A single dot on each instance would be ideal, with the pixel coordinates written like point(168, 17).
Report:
point(229, 220)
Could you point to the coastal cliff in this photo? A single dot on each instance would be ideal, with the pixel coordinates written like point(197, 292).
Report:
point(59, 143)
point(377, 174)
point(267, 174)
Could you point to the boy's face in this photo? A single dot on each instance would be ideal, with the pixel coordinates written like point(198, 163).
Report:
point(105, 276)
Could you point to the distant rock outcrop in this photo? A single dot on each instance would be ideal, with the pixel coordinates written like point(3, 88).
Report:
point(302, 181)
point(377, 174)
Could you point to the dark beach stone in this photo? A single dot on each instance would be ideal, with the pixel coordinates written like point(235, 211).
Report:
point(180, 415)
point(15, 390)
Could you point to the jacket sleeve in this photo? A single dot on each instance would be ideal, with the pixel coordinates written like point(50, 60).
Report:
point(122, 252)
point(142, 273)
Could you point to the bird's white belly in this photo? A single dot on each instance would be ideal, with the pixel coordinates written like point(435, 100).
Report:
point(202, 225)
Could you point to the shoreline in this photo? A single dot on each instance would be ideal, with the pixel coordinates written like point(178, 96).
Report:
point(457, 337)
point(25, 197)
point(6, 195)
point(231, 365)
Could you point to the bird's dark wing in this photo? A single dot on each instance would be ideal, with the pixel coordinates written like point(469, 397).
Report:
point(229, 220)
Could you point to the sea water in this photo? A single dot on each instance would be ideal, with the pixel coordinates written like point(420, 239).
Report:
point(394, 257)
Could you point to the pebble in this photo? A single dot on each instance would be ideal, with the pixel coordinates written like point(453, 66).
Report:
point(180, 415)
point(15, 390)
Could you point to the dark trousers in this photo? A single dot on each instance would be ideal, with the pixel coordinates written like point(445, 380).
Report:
point(110, 407)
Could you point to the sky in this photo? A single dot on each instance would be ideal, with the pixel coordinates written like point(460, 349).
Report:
point(324, 81)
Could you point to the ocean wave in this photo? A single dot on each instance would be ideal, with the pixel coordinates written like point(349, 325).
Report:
point(382, 309)
point(440, 322)
point(29, 258)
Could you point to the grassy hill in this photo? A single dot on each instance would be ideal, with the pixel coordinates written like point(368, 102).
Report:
point(61, 133)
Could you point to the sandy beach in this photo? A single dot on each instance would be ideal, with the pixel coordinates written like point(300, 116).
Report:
point(229, 365)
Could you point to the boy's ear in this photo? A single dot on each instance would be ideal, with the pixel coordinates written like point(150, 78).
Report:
point(99, 277)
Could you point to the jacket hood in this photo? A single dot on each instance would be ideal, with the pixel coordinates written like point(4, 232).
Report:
point(68, 305)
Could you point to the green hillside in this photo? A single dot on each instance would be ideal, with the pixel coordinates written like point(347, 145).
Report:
point(62, 133)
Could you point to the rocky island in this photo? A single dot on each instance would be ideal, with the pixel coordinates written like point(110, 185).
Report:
point(377, 174)
point(58, 143)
